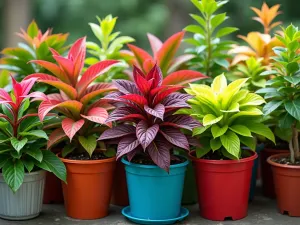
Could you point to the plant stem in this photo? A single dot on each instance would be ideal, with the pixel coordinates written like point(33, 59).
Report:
point(292, 156)
point(208, 46)
point(296, 143)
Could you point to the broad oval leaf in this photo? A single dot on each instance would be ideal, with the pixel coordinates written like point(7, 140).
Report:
point(158, 111)
point(210, 119)
point(175, 137)
point(18, 144)
point(126, 145)
point(146, 134)
point(160, 153)
point(89, 143)
point(293, 108)
point(218, 131)
point(13, 174)
point(71, 127)
point(271, 106)
point(97, 115)
point(55, 137)
point(241, 130)
point(231, 143)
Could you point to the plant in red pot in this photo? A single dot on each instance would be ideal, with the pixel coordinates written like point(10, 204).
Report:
point(147, 132)
point(230, 117)
point(283, 98)
point(90, 167)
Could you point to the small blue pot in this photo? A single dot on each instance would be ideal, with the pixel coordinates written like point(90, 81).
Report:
point(259, 148)
point(153, 193)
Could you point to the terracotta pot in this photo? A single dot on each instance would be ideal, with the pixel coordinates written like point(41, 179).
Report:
point(53, 193)
point(119, 195)
point(287, 183)
point(88, 190)
point(266, 171)
point(223, 187)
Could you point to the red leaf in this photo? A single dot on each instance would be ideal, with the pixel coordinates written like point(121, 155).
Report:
point(122, 112)
point(158, 111)
point(178, 61)
point(76, 48)
point(138, 99)
point(127, 144)
point(175, 137)
point(97, 115)
point(155, 73)
point(96, 90)
point(118, 131)
point(146, 134)
point(55, 137)
point(159, 152)
point(163, 94)
point(141, 82)
point(167, 52)
point(27, 85)
point(148, 65)
point(155, 43)
point(183, 77)
point(101, 103)
point(53, 68)
point(66, 64)
point(140, 54)
point(71, 127)
point(77, 54)
point(17, 88)
point(4, 95)
point(92, 73)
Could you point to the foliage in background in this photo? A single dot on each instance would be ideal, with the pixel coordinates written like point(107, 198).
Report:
point(21, 138)
point(283, 90)
point(230, 117)
point(111, 45)
point(36, 47)
point(79, 104)
point(147, 124)
point(211, 57)
point(164, 56)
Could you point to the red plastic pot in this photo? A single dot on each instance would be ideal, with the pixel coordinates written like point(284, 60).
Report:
point(223, 187)
point(266, 171)
point(119, 191)
point(287, 183)
point(53, 193)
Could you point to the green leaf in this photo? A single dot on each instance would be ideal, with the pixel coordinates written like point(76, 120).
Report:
point(292, 67)
point(3, 159)
point(231, 143)
point(225, 31)
point(284, 134)
point(252, 99)
point(271, 106)
point(293, 80)
point(32, 29)
point(269, 72)
point(218, 19)
point(286, 121)
point(67, 150)
point(215, 144)
point(18, 145)
point(6, 111)
point(195, 29)
point(261, 129)
point(35, 153)
point(13, 173)
point(199, 19)
point(89, 143)
point(110, 152)
point(241, 130)
point(24, 106)
point(210, 119)
point(97, 31)
point(35, 133)
point(218, 131)
point(222, 62)
point(249, 142)
point(53, 164)
point(293, 108)
point(29, 164)
point(266, 90)
point(199, 130)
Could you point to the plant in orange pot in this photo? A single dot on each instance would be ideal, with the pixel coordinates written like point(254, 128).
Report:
point(90, 165)
point(282, 93)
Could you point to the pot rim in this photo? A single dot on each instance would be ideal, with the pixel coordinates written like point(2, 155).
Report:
point(89, 162)
point(222, 162)
point(126, 162)
point(32, 173)
point(269, 160)
point(275, 150)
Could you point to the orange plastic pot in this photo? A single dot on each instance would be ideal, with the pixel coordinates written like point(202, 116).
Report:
point(287, 183)
point(266, 171)
point(88, 190)
point(223, 187)
point(119, 195)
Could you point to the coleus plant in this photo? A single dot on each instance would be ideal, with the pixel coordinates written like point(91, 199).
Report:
point(173, 68)
point(21, 139)
point(230, 116)
point(110, 47)
point(36, 47)
point(211, 52)
point(79, 105)
point(147, 125)
point(282, 91)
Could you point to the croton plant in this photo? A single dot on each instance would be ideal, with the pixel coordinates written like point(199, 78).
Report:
point(82, 116)
point(144, 112)
point(230, 116)
point(173, 68)
point(22, 139)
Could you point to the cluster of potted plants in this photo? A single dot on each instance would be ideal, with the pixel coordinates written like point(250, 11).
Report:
point(121, 126)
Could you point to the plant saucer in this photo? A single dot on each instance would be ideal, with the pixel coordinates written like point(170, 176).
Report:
point(183, 213)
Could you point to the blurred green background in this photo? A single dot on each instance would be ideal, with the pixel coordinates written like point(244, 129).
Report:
point(136, 17)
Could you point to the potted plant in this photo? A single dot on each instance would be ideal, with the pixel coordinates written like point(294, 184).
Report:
point(146, 134)
point(23, 159)
point(283, 103)
point(90, 165)
point(230, 118)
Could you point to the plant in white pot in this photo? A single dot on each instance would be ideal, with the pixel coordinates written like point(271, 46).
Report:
point(23, 160)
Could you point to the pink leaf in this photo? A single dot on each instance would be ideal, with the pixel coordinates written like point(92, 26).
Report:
point(71, 127)
point(66, 64)
point(155, 43)
point(158, 111)
point(177, 62)
point(55, 137)
point(97, 115)
point(183, 77)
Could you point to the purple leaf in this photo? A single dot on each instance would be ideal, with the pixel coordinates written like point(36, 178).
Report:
point(176, 100)
point(118, 131)
point(175, 137)
point(159, 152)
point(127, 144)
point(123, 112)
point(181, 121)
point(193, 141)
point(126, 86)
point(131, 154)
point(146, 134)
point(158, 111)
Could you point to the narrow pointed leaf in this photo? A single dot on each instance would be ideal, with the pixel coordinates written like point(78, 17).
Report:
point(118, 131)
point(146, 134)
point(175, 137)
point(97, 115)
point(155, 43)
point(127, 144)
point(55, 137)
point(183, 77)
point(160, 153)
point(140, 54)
point(158, 111)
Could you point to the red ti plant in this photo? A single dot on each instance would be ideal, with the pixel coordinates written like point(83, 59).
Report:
point(145, 111)
point(81, 115)
point(164, 56)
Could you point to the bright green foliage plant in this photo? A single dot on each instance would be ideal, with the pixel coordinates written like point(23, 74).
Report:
point(230, 116)
point(283, 91)
point(211, 52)
point(110, 47)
